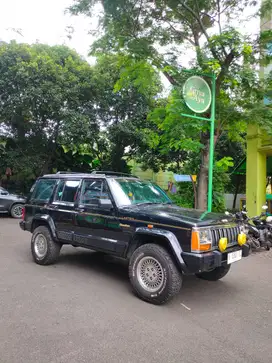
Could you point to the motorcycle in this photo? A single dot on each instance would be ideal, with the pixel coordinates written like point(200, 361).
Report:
point(258, 229)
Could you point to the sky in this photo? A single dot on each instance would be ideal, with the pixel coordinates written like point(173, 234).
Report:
point(44, 21)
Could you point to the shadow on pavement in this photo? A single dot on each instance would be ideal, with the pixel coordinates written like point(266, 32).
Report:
point(194, 290)
point(97, 262)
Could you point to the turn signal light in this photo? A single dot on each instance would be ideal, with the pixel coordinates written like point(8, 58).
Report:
point(223, 244)
point(197, 246)
point(241, 239)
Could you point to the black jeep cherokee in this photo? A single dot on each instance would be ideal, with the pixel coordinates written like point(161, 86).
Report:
point(133, 219)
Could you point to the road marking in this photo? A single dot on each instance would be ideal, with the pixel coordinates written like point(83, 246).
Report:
point(186, 307)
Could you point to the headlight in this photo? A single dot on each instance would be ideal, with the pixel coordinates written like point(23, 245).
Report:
point(201, 240)
point(269, 219)
point(204, 236)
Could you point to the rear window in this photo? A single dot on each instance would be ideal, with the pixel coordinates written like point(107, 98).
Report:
point(43, 189)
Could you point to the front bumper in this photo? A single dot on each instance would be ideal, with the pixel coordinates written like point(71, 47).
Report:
point(200, 262)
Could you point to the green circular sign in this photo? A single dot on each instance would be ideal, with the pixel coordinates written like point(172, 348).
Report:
point(197, 94)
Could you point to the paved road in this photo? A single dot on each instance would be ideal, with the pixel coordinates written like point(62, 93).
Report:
point(82, 310)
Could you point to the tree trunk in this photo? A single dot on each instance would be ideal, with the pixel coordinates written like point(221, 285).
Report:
point(237, 187)
point(202, 180)
point(195, 192)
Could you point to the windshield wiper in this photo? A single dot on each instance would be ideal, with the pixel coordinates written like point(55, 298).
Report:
point(146, 203)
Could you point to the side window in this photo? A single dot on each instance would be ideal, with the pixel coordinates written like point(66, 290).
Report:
point(92, 191)
point(43, 189)
point(67, 191)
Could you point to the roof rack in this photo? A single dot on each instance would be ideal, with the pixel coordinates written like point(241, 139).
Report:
point(68, 172)
point(113, 173)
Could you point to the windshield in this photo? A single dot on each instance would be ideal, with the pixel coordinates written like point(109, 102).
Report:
point(130, 192)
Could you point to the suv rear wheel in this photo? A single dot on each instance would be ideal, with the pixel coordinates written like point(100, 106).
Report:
point(153, 274)
point(216, 274)
point(45, 250)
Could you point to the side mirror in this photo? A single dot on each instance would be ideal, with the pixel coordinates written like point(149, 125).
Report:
point(265, 207)
point(105, 204)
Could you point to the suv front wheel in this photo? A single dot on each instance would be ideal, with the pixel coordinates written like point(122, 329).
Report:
point(45, 250)
point(153, 274)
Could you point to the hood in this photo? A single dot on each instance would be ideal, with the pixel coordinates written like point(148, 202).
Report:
point(192, 217)
point(15, 197)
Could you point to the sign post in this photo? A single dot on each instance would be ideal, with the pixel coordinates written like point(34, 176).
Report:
point(199, 98)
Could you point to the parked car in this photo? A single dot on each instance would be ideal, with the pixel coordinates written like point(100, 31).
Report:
point(11, 204)
point(133, 219)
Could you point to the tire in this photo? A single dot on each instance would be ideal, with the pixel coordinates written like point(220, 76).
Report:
point(45, 251)
point(16, 211)
point(216, 274)
point(166, 286)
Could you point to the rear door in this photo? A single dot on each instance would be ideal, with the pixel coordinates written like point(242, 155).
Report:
point(39, 198)
point(62, 208)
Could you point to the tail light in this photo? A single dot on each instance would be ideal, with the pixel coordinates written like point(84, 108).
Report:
point(23, 213)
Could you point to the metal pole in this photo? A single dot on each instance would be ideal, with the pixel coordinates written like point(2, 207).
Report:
point(210, 182)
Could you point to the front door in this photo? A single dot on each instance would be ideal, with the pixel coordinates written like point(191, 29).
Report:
point(97, 226)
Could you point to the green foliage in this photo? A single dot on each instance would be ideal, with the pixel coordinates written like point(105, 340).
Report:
point(46, 100)
point(221, 179)
point(59, 113)
point(122, 105)
point(160, 32)
point(184, 196)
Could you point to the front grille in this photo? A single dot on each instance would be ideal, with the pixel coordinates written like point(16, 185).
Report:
point(231, 233)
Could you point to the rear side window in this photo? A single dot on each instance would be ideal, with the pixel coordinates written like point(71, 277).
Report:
point(43, 189)
point(67, 191)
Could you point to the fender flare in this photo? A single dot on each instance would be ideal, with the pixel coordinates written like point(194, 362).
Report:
point(48, 220)
point(171, 239)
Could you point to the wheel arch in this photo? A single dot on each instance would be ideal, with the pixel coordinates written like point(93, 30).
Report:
point(163, 238)
point(44, 220)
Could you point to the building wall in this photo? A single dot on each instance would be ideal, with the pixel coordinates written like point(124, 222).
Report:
point(259, 146)
point(229, 200)
point(161, 178)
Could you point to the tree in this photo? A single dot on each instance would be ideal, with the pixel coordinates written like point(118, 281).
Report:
point(121, 109)
point(163, 32)
point(47, 99)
